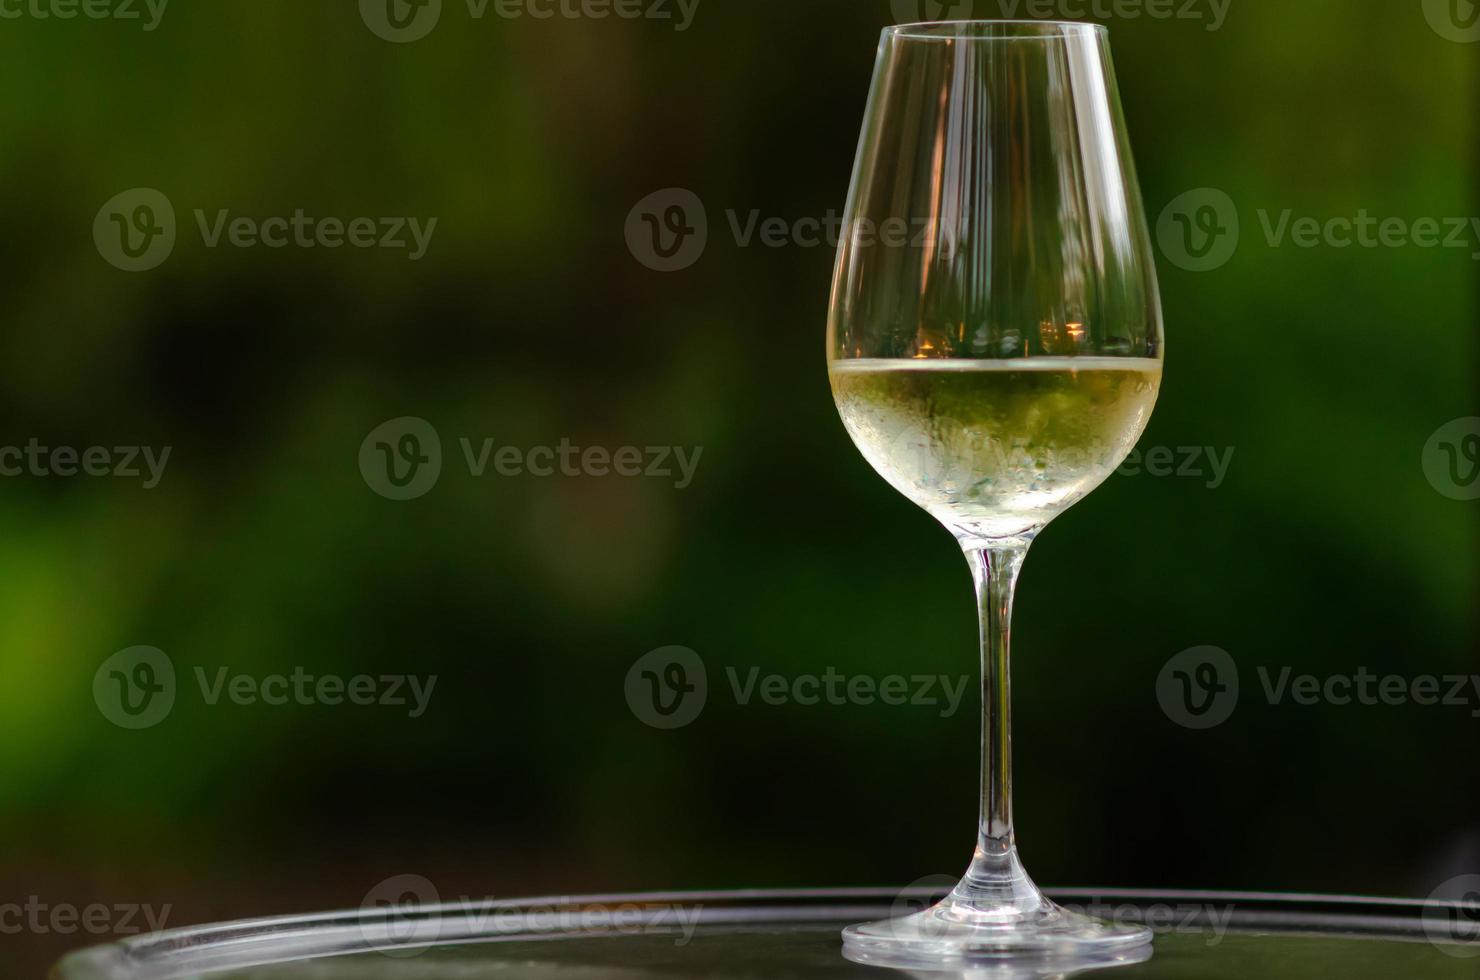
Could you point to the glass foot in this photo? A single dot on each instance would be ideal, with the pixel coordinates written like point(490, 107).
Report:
point(1008, 925)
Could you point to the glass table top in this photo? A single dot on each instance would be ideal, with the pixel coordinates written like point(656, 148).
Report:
point(787, 934)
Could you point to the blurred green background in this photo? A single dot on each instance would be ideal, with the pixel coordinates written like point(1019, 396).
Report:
point(262, 549)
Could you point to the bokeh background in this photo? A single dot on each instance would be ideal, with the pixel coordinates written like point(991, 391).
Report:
point(529, 319)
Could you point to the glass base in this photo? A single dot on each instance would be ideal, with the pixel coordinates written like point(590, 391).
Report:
point(943, 937)
point(996, 915)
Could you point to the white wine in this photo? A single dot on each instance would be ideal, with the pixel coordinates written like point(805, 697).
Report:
point(995, 448)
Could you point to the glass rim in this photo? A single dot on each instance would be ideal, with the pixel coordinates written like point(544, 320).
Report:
point(1017, 30)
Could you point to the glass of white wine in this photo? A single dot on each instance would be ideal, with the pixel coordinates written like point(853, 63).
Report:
point(995, 350)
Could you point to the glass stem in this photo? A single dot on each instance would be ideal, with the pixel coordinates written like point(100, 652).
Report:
point(996, 878)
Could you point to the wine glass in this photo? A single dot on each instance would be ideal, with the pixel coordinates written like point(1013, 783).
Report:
point(995, 349)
